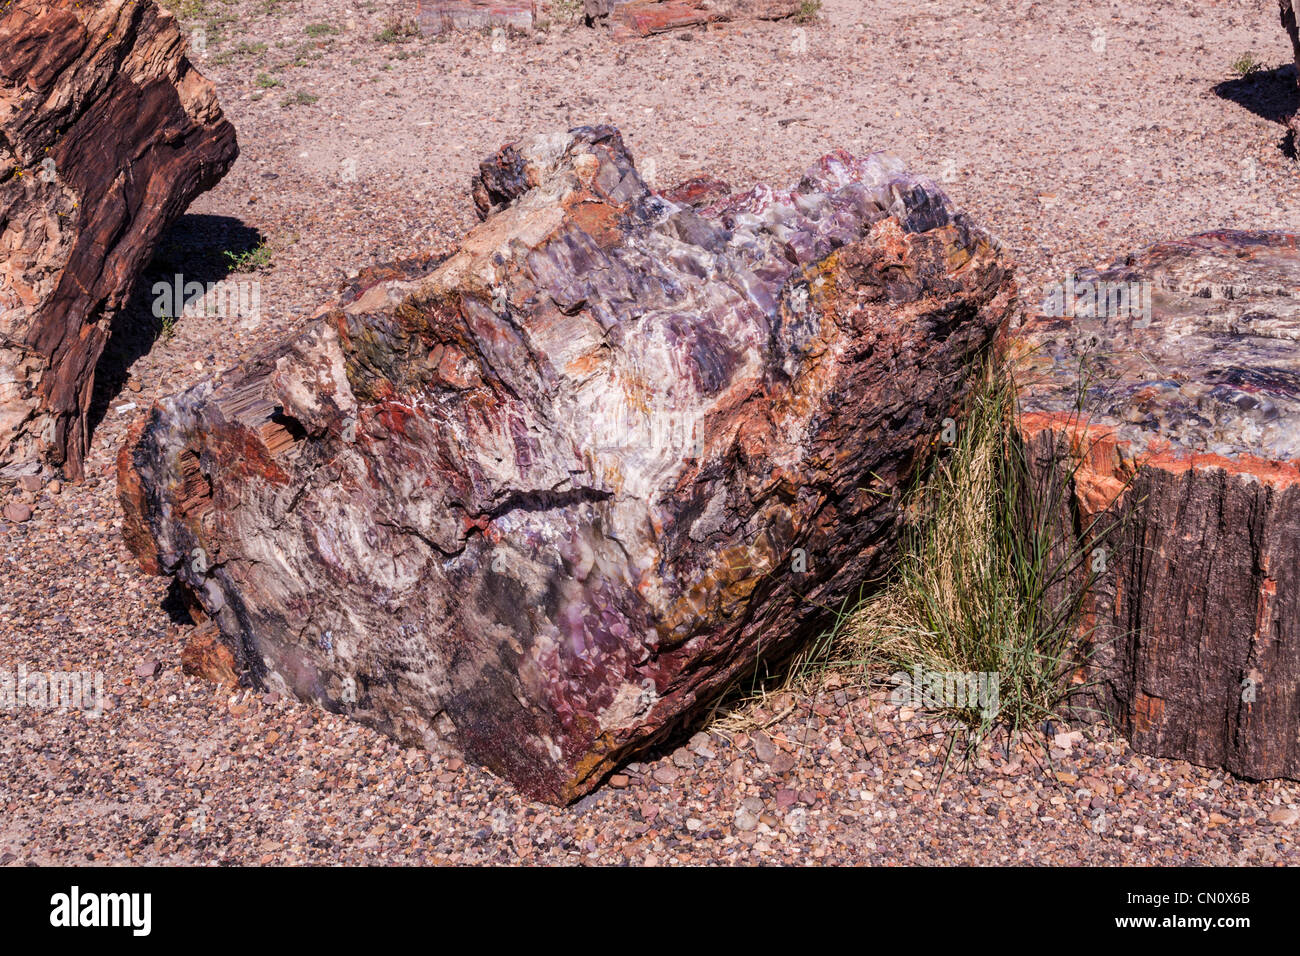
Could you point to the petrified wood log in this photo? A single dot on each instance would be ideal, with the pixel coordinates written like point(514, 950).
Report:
point(445, 16)
point(106, 134)
point(648, 17)
point(548, 497)
point(1174, 382)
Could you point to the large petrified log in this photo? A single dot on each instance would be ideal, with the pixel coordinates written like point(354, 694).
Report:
point(1172, 380)
point(548, 497)
point(106, 134)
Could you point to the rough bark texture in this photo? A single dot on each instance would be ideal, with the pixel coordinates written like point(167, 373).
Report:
point(647, 17)
point(548, 497)
point(106, 134)
point(1189, 428)
point(444, 16)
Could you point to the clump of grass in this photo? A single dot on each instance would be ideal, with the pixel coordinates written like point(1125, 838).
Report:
point(187, 9)
point(266, 81)
point(1246, 65)
point(317, 30)
point(167, 327)
point(808, 11)
point(243, 48)
point(250, 260)
point(398, 31)
point(566, 11)
point(991, 579)
point(299, 99)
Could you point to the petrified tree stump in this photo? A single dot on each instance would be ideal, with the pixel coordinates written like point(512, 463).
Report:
point(548, 497)
point(106, 134)
point(1175, 383)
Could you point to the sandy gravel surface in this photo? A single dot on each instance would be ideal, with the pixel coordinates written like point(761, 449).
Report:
point(1073, 130)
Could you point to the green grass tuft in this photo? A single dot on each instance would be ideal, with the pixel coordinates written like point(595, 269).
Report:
point(808, 11)
point(989, 579)
point(1245, 65)
point(251, 260)
point(398, 31)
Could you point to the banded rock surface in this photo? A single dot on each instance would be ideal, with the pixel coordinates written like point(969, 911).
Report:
point(445, 16)
point(545, 498)
point(643, 18)
point(1173, 385)
point(106, 135)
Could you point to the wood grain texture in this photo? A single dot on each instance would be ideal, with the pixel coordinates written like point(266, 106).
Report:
point(547, 497)
point(1186, 425)
point(106, 135)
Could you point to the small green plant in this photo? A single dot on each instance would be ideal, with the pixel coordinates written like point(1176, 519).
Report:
point(317, 30)
point(187, 9)
point(217, 21)
point(398, 31)
point(1246, 65)
point(167, 327)
point(250, 260)
point(566, 11)
point(299, 99)
point(306, 53)
point(266, 81)
point(243, 48)
point(808, 11)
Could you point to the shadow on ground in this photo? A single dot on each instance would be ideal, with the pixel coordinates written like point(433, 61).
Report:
point(1272, 94)
point(197, 249)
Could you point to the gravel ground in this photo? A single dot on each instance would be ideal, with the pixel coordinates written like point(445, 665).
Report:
point(1073, 130)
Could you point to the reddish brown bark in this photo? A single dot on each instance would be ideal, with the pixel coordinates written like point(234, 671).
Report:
point(1184, 424)
point(106, 134)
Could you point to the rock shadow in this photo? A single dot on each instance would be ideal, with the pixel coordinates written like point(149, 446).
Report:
point(1272, 94)
point(197, 247)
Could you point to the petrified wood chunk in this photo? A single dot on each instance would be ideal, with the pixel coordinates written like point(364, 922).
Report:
point(549, 496)
point(106, 134)
point(648, 17)
point(444, 16)
point(1177, 385)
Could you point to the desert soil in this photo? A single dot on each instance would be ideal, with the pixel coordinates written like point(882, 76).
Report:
point(1074, 130)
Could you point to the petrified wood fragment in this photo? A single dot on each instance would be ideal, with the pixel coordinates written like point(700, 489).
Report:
point(106, 134)
point(549, 496)
point(1175, 381)
point(648, 17)
point(445, 16)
